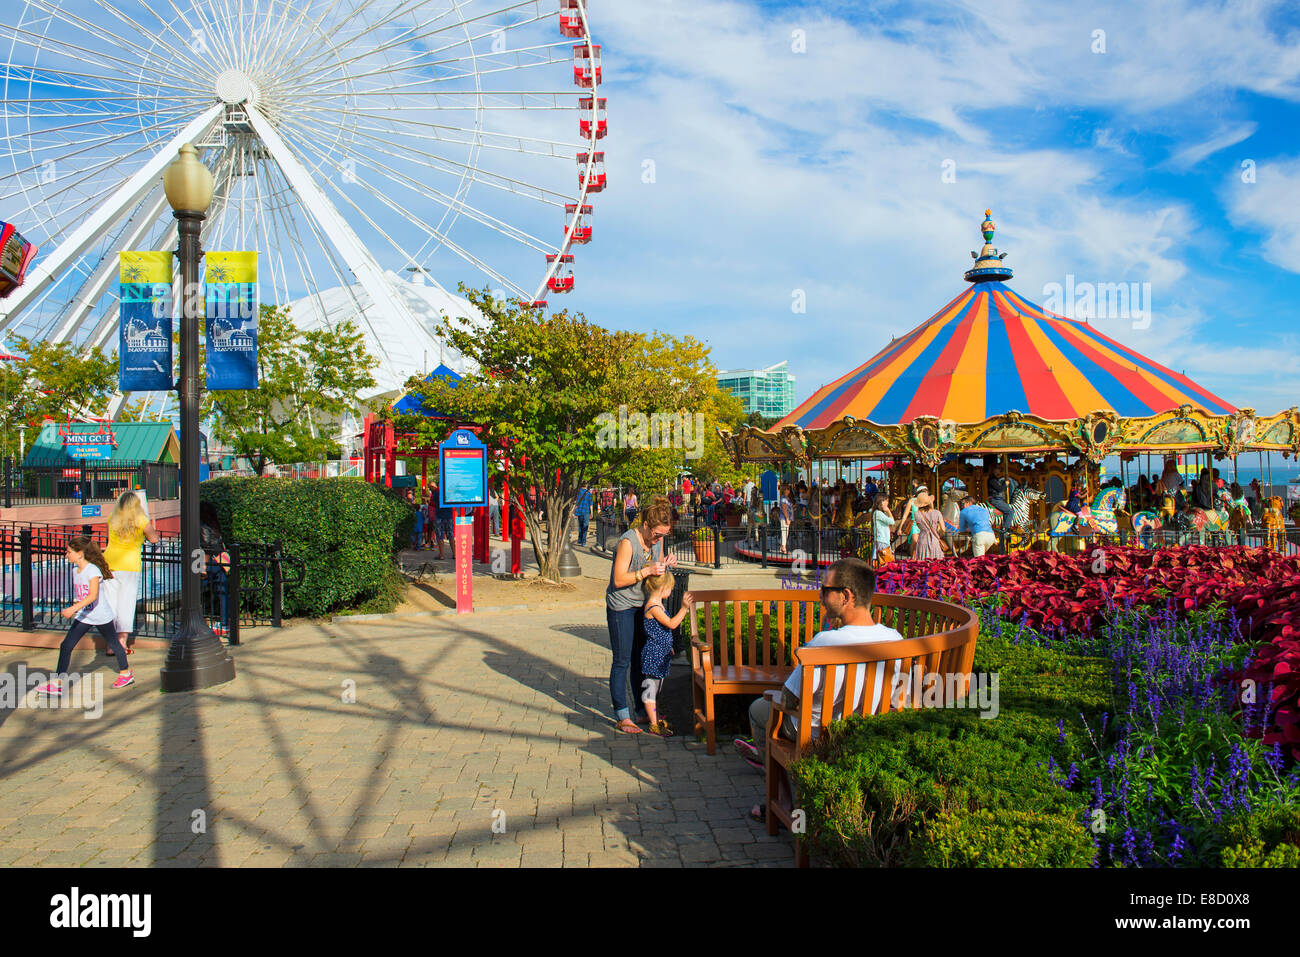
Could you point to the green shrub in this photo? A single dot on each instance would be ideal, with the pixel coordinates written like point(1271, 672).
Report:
point(344, 531)
point(1268, 837)
point(1005, 837)
point(872, 786)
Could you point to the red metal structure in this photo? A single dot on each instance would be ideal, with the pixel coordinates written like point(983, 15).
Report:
point(597, 171)
point(593, 113)
point(581, 233)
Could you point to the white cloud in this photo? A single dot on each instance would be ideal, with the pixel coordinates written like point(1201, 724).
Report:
point(1191, 155)
point(1269, 205)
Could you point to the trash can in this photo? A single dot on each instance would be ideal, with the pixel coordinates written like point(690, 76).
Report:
point(681, 583)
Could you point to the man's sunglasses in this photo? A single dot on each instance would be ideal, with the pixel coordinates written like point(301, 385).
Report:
point(828, 588)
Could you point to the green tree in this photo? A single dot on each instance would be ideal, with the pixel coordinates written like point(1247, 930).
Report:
point(306, 381)
point(553, 393)
point(55, 379)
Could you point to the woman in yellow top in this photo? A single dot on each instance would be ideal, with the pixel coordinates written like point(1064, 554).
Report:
point(128, 527)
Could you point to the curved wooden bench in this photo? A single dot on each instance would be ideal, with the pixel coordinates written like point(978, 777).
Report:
point(938, 638)
point(755, 647)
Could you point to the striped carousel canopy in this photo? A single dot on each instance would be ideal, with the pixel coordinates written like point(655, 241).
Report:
point(991, 351)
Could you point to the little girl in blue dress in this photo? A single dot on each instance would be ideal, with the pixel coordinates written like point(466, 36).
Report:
point(657, 652)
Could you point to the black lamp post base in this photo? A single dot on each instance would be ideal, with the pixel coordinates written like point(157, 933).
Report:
point(196, 659)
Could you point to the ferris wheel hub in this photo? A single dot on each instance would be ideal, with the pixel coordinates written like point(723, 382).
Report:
point(234, 87)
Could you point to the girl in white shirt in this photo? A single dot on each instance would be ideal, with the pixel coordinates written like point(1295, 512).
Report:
point(94, 589)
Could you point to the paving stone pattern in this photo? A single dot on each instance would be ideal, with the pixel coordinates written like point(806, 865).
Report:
point(476, 741)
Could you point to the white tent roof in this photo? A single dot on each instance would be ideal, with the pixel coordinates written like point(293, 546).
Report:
point(402, 352)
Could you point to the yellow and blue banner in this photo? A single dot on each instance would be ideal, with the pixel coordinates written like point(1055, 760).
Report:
point(232, 320)
point(144, 347)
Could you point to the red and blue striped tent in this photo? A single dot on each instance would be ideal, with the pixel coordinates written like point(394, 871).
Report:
point(991, 351)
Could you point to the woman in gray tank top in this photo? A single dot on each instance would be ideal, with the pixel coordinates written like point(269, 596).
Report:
point(639, 556)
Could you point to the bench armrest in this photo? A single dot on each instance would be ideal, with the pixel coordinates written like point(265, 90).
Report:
point(701, 656)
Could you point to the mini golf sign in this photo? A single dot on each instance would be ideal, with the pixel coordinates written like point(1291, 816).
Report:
point(98, 444)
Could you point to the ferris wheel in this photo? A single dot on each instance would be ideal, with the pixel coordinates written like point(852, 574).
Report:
point(349, 140)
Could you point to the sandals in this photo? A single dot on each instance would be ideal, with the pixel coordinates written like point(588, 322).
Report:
point(627, 726)
point(758, 813)
point(663, 729)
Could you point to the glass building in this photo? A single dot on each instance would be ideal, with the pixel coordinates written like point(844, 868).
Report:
point(769, 392)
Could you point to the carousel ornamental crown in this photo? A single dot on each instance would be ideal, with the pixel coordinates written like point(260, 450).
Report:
point(988, 262)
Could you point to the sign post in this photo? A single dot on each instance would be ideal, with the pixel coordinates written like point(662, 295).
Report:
point(462, 467)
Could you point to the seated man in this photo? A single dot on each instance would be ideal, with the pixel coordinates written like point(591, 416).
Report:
point(846, 601)
point(975, 519)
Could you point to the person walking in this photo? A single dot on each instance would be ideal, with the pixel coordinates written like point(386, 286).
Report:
point(128, 528)
point(92, 587)
point(216, 564)
point(630, 506)
point(582, 513)
point(638, 555)
point(929, 522)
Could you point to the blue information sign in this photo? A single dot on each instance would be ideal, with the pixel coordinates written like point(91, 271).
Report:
point(462, 465)
point(90, 511)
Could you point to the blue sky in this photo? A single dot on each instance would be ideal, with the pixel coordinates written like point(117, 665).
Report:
point(822, 171)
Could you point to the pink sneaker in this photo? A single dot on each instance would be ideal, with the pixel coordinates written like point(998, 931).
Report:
point(52, 689)
point(124, 680)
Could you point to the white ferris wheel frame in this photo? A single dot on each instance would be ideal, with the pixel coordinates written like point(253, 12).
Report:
point(141, 195)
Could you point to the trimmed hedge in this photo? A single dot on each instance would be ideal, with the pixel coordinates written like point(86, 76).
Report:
point(948, 788)
point(344, 530)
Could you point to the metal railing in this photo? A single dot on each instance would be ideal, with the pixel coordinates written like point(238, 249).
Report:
point(298, 470)
point(36, 582)
point(806, 546)
point(86, 483)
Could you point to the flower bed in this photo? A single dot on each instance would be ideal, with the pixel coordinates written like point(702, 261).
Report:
point(1123, 746)
point(1054, 594)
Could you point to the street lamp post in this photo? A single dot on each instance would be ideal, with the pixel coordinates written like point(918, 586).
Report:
point(196, 658)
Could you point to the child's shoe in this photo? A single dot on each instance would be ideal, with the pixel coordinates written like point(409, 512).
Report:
point(124, 680)
point(663, 729)
point(51, 690)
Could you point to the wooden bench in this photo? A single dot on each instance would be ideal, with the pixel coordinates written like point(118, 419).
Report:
point(757, 655)
point(938, 638)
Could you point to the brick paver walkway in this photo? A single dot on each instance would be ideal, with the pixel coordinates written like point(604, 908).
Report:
point(470, 741)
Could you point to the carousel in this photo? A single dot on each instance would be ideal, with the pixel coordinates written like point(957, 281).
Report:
point(993, 384)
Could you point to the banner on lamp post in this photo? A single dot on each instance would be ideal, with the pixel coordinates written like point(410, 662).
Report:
point(144, 346)
point(231, 320)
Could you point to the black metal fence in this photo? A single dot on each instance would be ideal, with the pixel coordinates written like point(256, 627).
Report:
point(86, 482)
point(36, 582)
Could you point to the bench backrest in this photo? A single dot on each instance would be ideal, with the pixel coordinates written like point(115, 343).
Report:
point(938, 639)
point(756, 626)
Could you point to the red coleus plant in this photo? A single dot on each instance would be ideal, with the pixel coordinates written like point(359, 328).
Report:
point(1054, 592)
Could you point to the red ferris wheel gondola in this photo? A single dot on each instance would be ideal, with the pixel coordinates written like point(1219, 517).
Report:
point(597, 162)
point(594, 116)
point(561, 280)
point(586, 65)
point(571, 24)
point(580, 233)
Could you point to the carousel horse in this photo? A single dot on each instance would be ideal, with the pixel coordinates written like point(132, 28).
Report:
point(1103, 509)
point(1209, 524)
point(1018, 524)
point(1274, 524)
point(1145, 524)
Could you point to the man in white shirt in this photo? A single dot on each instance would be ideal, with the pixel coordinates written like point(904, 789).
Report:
point(748, 491)
point(846, 600)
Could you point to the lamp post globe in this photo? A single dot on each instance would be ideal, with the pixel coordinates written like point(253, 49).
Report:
point(196, 658)
point(188, 183)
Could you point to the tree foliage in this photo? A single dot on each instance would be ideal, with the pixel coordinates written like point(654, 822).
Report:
point(306, 382)
point(55, 379)
point(554, 391)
